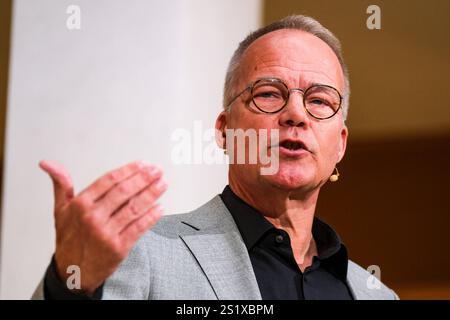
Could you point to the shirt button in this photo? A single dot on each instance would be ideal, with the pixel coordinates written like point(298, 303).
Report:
point(279, 239)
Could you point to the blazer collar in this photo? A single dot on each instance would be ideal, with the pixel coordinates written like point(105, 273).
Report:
point(214, 240)
point(220, 251)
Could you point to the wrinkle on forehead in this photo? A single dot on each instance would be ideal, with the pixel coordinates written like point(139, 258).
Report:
point(306, 74)
point(294, 55)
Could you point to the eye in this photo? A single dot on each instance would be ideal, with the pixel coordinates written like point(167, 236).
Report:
point(322, 99)
point(267, 94)
point(317, 102)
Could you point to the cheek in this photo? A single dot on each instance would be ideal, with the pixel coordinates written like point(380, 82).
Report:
point(258, 124)
point(245, 119)
point(328, 143)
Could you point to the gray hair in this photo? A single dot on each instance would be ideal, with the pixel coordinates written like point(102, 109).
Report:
point(298, 22)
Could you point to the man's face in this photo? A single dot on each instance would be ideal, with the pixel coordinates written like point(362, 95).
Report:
point(299, 59)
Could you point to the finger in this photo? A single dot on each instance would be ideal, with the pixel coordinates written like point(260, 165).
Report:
point(103, 184)
point(139, 226)
point(125, 190)
point(137, 206)
point(62, 182)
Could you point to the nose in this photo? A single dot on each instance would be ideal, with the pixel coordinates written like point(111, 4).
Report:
point(294, 113)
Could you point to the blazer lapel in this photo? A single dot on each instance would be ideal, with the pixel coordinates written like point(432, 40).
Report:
point(357, 294)
point(357, 280)
point(221, 253)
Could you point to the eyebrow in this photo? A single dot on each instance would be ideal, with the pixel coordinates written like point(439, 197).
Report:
point(309, 84)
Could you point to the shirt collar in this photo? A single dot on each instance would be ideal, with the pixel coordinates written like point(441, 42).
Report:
point(253, 226)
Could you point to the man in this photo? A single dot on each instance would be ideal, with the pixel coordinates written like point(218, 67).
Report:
point(259, 239)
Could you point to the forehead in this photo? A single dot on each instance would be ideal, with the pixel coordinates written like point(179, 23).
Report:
point(295, 56)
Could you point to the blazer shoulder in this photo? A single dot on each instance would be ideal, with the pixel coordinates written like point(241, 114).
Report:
point(366, 286)
point(211, 215)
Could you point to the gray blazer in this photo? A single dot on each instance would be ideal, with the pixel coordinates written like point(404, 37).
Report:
point(201, 255)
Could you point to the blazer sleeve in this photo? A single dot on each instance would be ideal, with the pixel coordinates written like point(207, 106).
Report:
point(131, 281)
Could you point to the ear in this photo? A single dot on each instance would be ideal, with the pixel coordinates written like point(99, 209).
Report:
point(221, 126)
point(342, 143)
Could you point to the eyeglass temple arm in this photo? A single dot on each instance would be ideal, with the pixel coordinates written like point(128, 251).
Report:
point(238, 95)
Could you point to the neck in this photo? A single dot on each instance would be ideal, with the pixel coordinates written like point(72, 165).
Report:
point(290, 210)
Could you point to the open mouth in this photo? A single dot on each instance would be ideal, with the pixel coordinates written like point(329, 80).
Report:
point(292, 145)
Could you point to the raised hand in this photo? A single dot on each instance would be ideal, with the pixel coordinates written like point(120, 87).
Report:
point(97, 228)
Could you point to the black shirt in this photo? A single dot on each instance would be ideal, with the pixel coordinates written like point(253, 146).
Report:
point(270, 251)
point(276, 270)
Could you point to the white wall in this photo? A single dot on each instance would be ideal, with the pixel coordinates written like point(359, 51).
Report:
point(99, 97)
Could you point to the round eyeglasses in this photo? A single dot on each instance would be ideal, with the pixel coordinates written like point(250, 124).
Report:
point(271, 95)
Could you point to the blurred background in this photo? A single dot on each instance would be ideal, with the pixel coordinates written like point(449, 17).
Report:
point(115, 90)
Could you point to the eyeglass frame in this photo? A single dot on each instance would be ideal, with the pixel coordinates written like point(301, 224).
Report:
point(252, 85)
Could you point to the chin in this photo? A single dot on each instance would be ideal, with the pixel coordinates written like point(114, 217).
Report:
point(292, 176)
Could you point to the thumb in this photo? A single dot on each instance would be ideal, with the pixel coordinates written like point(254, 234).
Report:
point(62, 182)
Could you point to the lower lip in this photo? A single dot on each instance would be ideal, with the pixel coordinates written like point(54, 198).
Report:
point(292, 153)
